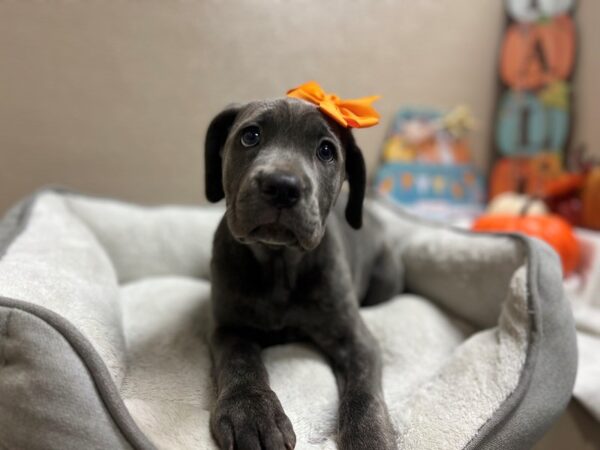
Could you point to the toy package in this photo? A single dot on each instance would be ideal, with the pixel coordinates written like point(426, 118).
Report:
point(426, 164)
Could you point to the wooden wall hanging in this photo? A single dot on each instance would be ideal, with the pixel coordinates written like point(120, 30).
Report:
point(534, 111)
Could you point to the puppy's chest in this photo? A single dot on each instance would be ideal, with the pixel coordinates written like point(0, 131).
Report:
point(276, 295)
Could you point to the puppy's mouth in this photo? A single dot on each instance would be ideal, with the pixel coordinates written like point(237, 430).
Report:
point(274, 234)
point(251, 221)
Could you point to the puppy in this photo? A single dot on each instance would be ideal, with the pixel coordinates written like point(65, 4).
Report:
point(288, 266)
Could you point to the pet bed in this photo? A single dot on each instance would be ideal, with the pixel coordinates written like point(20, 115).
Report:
point(104, 307)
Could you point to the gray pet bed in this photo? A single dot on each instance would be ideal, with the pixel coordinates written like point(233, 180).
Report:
point(103, 308)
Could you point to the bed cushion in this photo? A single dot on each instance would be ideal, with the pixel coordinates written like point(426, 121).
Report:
point(104, 310)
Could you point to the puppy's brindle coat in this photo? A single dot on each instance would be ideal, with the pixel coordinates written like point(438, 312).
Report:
point(285, 269)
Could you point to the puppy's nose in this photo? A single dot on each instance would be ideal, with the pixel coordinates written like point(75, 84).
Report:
point(280, 189)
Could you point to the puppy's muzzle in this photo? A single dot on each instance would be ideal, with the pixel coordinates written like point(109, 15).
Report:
point(281, 190)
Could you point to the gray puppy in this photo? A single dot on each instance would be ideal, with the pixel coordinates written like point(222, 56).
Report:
point(284, 269)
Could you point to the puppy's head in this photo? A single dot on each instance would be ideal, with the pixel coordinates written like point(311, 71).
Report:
point(280, 165)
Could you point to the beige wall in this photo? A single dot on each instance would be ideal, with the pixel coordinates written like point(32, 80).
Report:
point(587, 82)
point(113, 98)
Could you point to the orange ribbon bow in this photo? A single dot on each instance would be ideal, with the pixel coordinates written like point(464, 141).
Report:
point(355, 113)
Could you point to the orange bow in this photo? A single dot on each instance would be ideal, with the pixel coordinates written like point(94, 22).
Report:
point(356, 113)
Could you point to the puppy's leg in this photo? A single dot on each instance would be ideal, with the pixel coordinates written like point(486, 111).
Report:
point(363, 422)
point(386, 278)
point(247, 413)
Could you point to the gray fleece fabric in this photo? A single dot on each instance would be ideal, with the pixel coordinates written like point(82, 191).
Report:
point(104, 306)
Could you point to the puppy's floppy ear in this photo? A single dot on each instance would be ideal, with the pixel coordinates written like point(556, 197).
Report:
point(216, 136)
point(357, 179)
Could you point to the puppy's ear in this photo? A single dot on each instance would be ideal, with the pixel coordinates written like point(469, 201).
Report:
point(216, 136)
point(357, 179)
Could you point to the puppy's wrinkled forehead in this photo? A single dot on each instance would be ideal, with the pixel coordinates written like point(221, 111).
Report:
point(286, 120)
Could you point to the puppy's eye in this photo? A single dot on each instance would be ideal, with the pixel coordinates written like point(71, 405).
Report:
point(326, 151)
point(250, 136)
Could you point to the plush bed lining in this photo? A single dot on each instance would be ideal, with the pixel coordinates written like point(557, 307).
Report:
point(118, 271)
point(498, 419)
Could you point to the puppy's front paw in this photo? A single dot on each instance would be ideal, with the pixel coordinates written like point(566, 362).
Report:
point(251, 420)
point(365, 424)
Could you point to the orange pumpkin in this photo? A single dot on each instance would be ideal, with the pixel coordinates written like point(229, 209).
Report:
point(551, 228)
point(534, 55)
point(591, 200)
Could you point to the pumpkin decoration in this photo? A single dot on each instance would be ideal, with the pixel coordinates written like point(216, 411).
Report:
point(521, 128)
point(529, 124)
point(510, 175)
point(535, 54)
point(590, 215)
point(525, 175)
point(564, 184)
point(551, 228)
point(563, 196)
